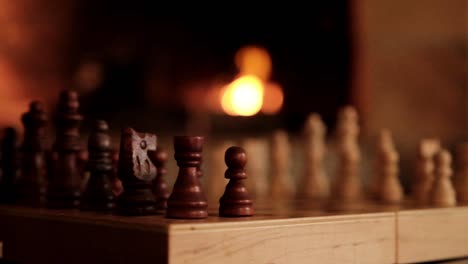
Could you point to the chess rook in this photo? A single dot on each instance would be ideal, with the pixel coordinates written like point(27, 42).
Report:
point(64, 176)
point(187, 200)
point(442, 192)
point(136, 171)
point(236, 200)
point(160, 188)
point(200, 172)
point(98, 195)
point(32, 185)
point(10, 166)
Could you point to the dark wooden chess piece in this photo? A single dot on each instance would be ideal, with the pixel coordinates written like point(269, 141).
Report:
point(236, 200)
point(64, 176)
point(160, 188)
point(9, 165)
point(187, 199)
point(117, 187)
point(33, 181)
point(98, 195)
point(136, 171)
point(200, 171)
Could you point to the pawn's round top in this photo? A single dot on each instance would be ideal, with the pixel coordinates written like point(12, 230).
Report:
point(188, 143)
point(159, 157)
point(443, 157)
point(235, 157)
point(101, 125)
point(348, 113)
point(67, 95)
point(69, 100)
point(36, 106)
point(99, 139)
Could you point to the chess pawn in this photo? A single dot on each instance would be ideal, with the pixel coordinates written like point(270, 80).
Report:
point(282, 186)
point(187, 200)
point(461, 176)
point(390, 190)
point(386, 185)
point(32, 186)
point(160, 187)
point(236, 200)
point(347, 130)
point(347, 186)
point(424, 173)
point(442, 192)
point(9, 165)
point(314, 182)
point(136, 171)
point(347, 183)
point(64, 176)
point(98, 194)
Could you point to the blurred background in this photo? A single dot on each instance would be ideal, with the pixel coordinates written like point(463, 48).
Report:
point(402, 64)
point(132, 65)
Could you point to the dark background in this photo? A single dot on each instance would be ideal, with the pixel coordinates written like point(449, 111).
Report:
point(310, 54)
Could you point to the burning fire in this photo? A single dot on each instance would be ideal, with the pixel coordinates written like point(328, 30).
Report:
point(252, 92)
point(243, 97)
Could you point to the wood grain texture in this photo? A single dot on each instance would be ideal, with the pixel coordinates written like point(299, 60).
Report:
point(293, 233)
point(432, 234)
point(368, 238)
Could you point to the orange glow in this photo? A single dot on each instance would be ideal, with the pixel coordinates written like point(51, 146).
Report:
point(13, 101)
point(272, 99)
point(243, 97)
point(252, 60)
point(88, 77)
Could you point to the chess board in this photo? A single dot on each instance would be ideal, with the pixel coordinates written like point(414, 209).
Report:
point(292, 232)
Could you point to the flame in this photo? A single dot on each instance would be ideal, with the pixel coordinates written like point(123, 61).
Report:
point(253, 91)
point(272, 99)
point(243, 97)
point(253, 60)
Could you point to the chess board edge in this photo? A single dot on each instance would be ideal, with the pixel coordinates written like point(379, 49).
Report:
point(406, 235)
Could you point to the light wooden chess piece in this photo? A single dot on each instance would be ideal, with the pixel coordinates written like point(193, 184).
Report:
point(282, 185)
point(347, 182)
point(314, 183)
point(442, 192)
point(461, 175)
point(387, 185)
point(257, 183)
point(424, 174)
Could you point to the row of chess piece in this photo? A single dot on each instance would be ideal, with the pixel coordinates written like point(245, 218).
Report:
point(432, 184)
point(34, 176)
point(55, 178)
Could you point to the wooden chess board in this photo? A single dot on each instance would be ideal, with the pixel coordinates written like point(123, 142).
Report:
point(292, 232)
